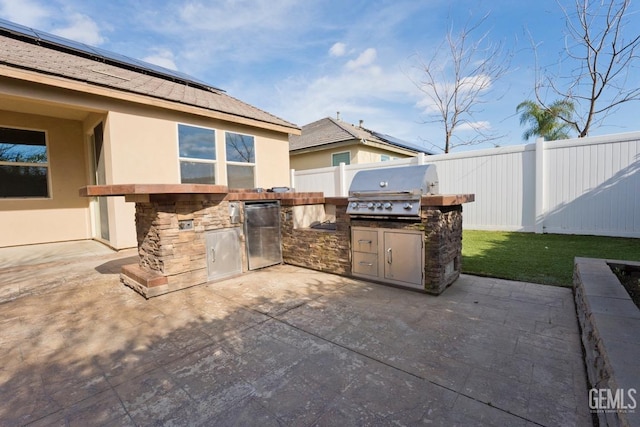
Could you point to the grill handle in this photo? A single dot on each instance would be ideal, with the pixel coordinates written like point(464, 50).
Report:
point(369, 194)
point(389, 256)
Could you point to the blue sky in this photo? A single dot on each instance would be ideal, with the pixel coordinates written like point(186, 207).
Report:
point(307, 59)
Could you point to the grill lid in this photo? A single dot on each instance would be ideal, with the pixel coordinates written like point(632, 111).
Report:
point(409, 180)
point(391, 192)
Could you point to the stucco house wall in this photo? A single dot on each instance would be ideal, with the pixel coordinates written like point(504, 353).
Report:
point(365, 154)
point(319, 158)
point(67, 94)
point(358, 153)
point(144, 149)
point(63, 216)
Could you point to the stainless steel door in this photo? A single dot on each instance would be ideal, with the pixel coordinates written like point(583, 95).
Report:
point(262, 231)
point(403, 255)
point(224, 258)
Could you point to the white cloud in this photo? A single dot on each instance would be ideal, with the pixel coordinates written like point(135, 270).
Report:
point(480, 82)
point(24, 12)
point(374, 94)
point(474, 126)
point(427, 105)
point(367, 57)
point(445, 90)
point(162, 57)
point(244, 15)
point(74, 26)
point(82, 29)
point(212, 35)
point(338, 49)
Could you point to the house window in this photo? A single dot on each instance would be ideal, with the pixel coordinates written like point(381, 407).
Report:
point(241, 159)
point(24, 163)
point(344, 157)
point(384, 158)
point(197, 153)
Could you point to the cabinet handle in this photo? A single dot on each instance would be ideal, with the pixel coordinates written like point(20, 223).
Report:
point(389, 256)
point(361, 241)
point(368, 264)
point(213, 255)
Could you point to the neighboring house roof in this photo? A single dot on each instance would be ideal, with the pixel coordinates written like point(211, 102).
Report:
point(27, 49)
point(331, 131)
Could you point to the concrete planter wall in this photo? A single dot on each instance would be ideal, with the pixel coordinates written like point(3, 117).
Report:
point(610, 327)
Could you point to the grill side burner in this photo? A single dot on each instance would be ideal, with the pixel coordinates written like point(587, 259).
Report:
point(393, 192)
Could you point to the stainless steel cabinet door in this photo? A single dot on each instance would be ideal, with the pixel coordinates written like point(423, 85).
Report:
point(403, 257)
point(224, 258)
point(262, 231)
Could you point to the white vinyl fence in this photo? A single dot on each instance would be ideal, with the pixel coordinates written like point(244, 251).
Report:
point(579, 186)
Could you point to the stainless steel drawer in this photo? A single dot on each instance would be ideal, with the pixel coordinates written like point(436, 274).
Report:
point(364, 263)
point(365, 241)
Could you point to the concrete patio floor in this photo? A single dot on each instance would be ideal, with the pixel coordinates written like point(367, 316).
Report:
point(281, 346)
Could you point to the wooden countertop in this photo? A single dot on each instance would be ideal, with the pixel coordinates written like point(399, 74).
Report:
point(164, 192)
point(135, 189)
point(447, 199)
point(173, 192)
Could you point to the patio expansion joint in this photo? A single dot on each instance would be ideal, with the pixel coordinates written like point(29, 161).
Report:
point(284, 322)
point(64, 411)
point(124, 406)
point(396, 368)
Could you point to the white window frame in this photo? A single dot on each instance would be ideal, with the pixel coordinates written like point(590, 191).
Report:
point(243, 164)
point(195, 159)
point(47, 165)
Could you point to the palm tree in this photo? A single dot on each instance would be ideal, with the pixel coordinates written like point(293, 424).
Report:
point(546, 122)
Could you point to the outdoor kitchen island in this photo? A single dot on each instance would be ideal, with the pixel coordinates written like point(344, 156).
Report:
point(190, 234)
point(428, 247)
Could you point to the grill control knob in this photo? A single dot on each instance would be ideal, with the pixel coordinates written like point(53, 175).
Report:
point(354, 205)
point(370, 205)
point(407, 206)
point(387, 205)
point(378, 205)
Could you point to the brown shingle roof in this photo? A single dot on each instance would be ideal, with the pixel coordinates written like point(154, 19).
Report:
point(330, 131)
point(18, 53)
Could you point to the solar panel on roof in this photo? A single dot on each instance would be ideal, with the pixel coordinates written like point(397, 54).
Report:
point(10, 26)
point(400, 142)
point(54, 41)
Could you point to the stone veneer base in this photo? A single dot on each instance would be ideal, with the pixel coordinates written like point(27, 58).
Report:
point(151, 284)
point(610, 329)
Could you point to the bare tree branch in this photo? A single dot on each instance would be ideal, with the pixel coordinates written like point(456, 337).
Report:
point(600, 57)
point(239, 148)
point(455, 81)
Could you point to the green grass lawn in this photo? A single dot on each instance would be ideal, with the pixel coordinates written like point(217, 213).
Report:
point(538, 258)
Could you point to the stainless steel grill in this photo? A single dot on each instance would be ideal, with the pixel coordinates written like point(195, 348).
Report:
point(393, 192)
